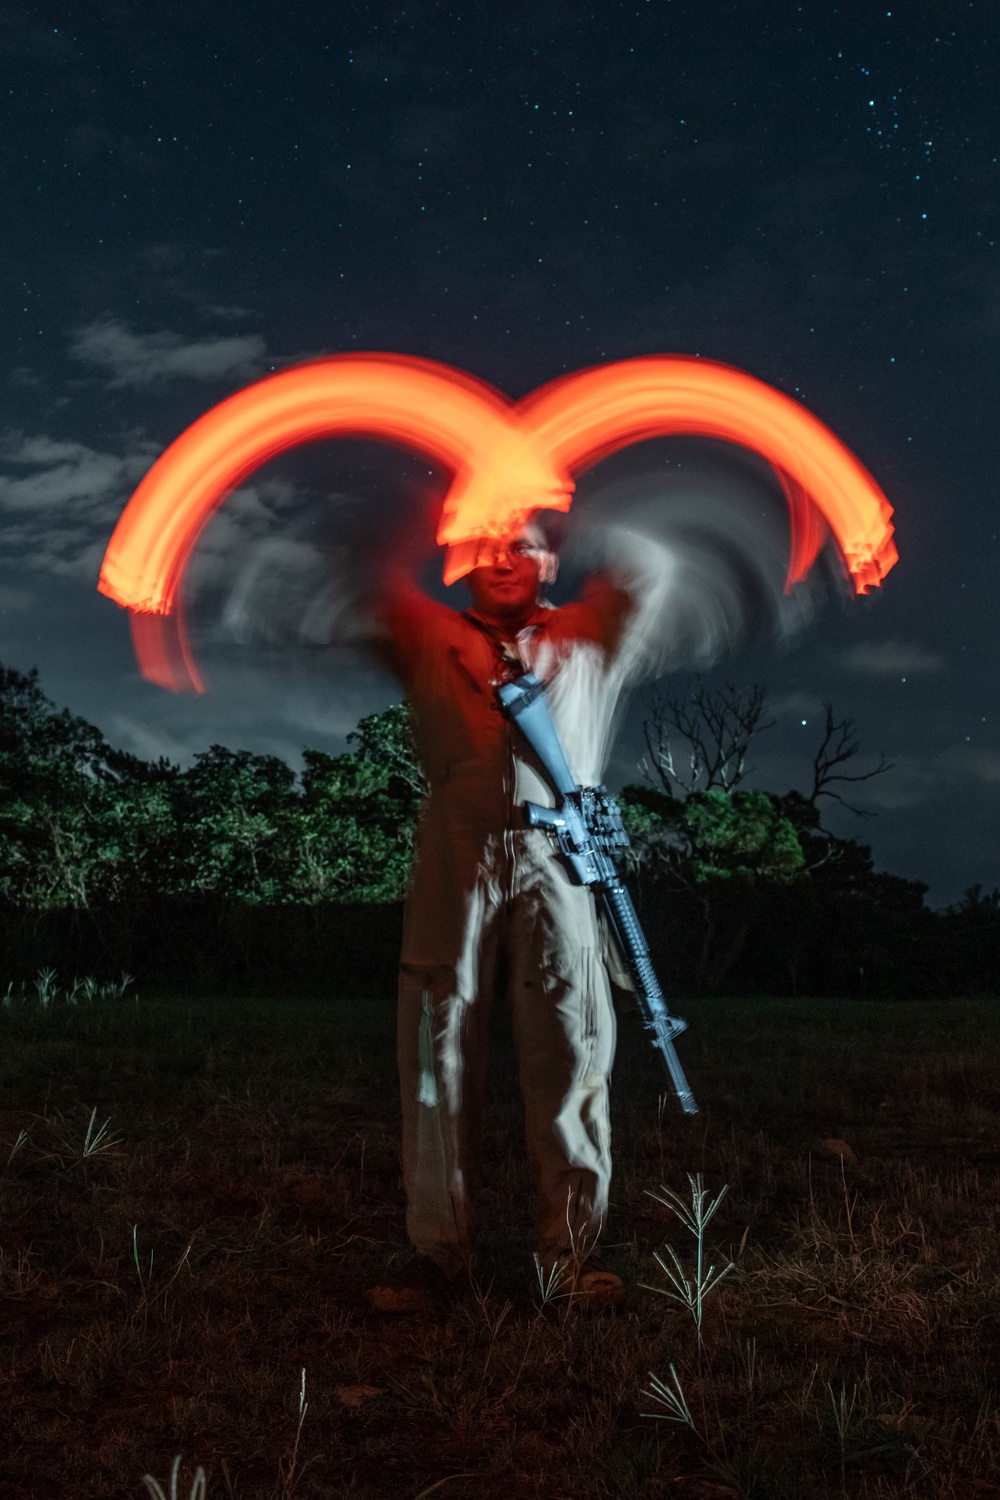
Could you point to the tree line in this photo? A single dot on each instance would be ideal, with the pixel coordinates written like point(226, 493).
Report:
point(239, 871)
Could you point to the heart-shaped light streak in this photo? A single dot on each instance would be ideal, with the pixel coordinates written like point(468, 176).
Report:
point(507, 461)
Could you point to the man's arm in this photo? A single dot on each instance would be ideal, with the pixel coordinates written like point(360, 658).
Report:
point(622, 605)
point(403, 617)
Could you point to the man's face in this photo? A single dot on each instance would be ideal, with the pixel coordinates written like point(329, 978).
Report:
point(506, 587)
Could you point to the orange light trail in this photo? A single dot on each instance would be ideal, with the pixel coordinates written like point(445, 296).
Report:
point(582, 418)
point(507, 461)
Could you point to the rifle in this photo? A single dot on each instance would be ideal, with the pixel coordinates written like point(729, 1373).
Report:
point(588, 826)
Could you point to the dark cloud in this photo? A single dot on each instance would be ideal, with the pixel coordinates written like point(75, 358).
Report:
point(891, 659)
point(15, 598)
point(142, 359)
point(60, 500)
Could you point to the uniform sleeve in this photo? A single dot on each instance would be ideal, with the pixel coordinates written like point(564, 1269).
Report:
point(604, 609)
point(622, 606)
point(405, 623)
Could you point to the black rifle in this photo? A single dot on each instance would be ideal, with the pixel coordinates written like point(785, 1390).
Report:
point(588, 826)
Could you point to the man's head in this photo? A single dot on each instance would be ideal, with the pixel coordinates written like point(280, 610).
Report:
point(505, 584)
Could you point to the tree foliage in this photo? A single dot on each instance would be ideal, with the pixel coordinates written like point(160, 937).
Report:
point(240, 858)
point(713, 835)
point(82, 824)
point(741, 857)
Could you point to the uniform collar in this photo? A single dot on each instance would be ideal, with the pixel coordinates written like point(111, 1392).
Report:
point(540, 617)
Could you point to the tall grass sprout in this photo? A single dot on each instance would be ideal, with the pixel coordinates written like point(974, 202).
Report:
point(198, 1484)
point(94, 1142)
point(45, 989)
point(289, 1472)
point(673, 1400)
point(690, 1289)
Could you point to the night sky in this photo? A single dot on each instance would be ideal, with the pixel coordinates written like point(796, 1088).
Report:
point(197, 194)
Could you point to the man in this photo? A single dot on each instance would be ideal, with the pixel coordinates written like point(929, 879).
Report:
point(489, 895)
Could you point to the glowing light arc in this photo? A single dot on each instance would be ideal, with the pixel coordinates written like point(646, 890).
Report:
point(507, 461)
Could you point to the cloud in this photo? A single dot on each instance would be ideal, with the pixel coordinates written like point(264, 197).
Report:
point(792, 707)
point(149, 742)
point(140, 359)
point(224, 312)
point(907, 782)
point(249, 518)
point(270, 704)
point(15, 598)
point(912, 780)
point(24, 378)
point(67, 474)
point(60, 499)
point(969, 760)
point(890, 659)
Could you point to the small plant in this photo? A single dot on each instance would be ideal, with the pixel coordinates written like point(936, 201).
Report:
point(672, 1399)
point(690, 1291)
point(94, 1142)
point(289, 1472)
point(197, 1484)
point(492, 1318)
point(86, 986)
point(560, 1280)
point(843, 1412)
point(19, 1145)
point(111, 989)
point(46, 990)
point(145, 1273)
point(17, 1278)
point(69, 1149)
point(551, 1282)
point(145, 1277)
point(46, 987)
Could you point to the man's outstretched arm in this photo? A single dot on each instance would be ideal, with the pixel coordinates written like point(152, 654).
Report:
point(621, 607)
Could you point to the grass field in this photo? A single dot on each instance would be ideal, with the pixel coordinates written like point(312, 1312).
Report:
point(164, 1286)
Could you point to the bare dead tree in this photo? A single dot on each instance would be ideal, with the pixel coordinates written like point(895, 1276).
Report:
point(839, 746)
point(701, 742)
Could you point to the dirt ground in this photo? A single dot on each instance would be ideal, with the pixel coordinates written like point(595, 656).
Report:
point(190, 1282)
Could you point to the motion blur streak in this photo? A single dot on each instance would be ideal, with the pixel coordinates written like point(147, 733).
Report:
point(456, 420)
point(507, 461)
point(580, 419)
point(163, 650)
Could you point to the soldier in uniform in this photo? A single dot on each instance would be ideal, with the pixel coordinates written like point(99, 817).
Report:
point(489, 896)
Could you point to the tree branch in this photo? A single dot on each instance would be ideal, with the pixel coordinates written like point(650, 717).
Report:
point(717, 728)
point(839, 746)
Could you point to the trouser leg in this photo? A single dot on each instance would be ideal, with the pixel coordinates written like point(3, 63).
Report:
point(442, 1044)
point(564, 1030)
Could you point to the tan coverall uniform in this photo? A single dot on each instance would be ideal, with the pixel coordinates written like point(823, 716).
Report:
point(488, 892)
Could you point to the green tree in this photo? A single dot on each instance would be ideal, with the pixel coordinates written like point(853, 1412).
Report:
point(359, 813)
point(66, 801)
point(82, 824)
point(738, 854)
point(727, 851)
point(237, 816)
